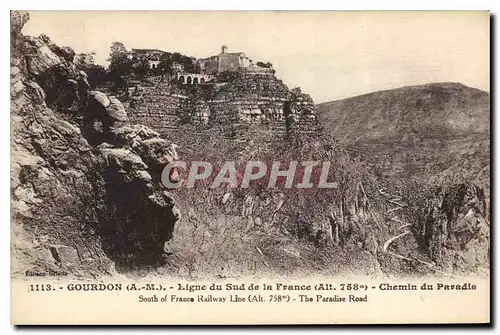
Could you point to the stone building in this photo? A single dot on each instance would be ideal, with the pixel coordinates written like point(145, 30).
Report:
point(224, 61)
point(153, 56)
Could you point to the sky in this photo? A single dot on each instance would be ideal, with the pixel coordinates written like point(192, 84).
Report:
point(331, 55)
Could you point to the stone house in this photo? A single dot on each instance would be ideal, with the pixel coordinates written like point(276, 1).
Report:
point(224, 61)
point(153, 56)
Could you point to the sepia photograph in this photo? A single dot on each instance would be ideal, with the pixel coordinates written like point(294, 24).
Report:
point(219, 156)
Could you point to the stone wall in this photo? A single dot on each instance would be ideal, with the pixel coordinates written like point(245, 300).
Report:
point(229, 61)
point(209, 65)
point(253, 69)
point(158, 106)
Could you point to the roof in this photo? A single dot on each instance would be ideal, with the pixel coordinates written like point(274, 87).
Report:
point(147, 51)
point(234, 53)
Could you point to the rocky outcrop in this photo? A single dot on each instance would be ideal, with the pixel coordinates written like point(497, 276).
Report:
point(158, 105)
point(234, 102)
point(17, 21)
point(455, 230)
point(262, 99)
point(85, 185)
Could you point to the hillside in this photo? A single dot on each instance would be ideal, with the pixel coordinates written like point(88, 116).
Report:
point(231, 102)
point(416, 131)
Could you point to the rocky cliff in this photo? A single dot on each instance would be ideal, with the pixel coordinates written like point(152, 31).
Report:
point(234, 102)
point(83, 193)
point(159, 105)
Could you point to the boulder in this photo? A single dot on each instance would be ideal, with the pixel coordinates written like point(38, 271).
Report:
point(14, 71)
point(123, 158)
point(36, 92)
point(132, 135)
point(116, 111)
point(66, 53)
point(83, 74)
point(155, 151)
point(143, 175)
point(100, 98)
point(144, 132)
point(42, 60)
point(16, 89)
point(83, 145)
point(104, 145)
point(83, 81)
point(106, 108)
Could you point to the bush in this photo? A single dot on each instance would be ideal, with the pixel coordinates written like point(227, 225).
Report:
point(267, 65)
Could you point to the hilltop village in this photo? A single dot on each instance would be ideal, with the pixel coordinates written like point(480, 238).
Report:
point(227, 89)
point(204, 69)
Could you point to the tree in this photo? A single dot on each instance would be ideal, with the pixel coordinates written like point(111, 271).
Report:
point(141, 66)
point(165, 65)
point(266, 65)
point(96, 74)
point(228, 75)
point(84, 60)
point(120, 66)
point(117, 51)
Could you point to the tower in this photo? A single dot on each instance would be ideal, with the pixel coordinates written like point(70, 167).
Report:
point(223, 49)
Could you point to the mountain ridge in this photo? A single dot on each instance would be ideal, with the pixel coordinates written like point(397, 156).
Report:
point(431, 100)
point(414, 130)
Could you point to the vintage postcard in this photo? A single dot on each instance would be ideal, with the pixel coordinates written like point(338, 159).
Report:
point(250, 168)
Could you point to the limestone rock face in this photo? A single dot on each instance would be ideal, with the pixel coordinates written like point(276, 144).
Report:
point(129, 133)
point(66, 53)
point(116, 111)
point(64, 255)
point(457, 232)
point(123, 159)
point(237, 102)
point(41, 58)
point(265, 100)
point(100, 98)
point(17, 21)
point(80, 204)
point(105, 108)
